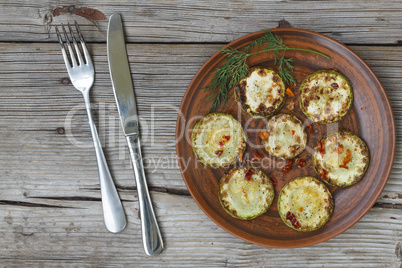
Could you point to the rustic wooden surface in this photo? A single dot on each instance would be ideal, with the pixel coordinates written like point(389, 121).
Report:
point(50, 209)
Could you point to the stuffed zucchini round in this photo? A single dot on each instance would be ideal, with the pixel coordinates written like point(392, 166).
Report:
point(305, 204)
point(218, 139)
point(325, 96)
point(261, 93)
point(246, 193)
point(284, 137)
point(341, 158)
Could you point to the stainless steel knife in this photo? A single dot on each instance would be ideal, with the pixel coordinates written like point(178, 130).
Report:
point(125, 100)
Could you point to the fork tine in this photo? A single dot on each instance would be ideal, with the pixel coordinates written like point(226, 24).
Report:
point(84, 45)
point(70, 49)
point(63, 50)
point(77, 50)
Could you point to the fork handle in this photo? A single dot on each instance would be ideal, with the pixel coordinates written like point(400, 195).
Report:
point(113, 212)
point(151, 235)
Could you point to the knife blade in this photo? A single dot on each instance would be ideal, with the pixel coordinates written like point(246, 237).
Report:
point(125, 99)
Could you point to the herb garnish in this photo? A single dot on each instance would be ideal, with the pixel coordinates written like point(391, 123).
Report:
point(235, 68)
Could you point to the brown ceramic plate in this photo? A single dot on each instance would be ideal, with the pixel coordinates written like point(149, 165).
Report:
point(370, 117)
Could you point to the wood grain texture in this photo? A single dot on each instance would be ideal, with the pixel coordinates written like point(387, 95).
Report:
point(350, 203)
point(36, 102)
point(75, 236)
point(363, 22)
point(42, 171)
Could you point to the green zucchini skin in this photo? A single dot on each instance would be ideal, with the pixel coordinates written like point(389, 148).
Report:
point(330, 165)
point(208, 138)
point(309, 200)
point(245, 197)
point(325, 97)
point(261, 93)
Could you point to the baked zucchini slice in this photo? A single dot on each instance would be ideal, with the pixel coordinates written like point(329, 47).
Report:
point(246, 192)
point(341, 158)
point(217, 139)
point(284, 137)
point(305, 204)
point(325, 96)
point(261, 93)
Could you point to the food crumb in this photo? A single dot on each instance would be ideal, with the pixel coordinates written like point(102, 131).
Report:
point(288, 165)
point(291, 106)
point(289, 92)
point(363, 108)
point(256, 156)
point(310, 127)
point(264, 135)
point(301, 163)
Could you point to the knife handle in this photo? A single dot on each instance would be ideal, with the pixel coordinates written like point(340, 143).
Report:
point(151, 235)
point(113, 212)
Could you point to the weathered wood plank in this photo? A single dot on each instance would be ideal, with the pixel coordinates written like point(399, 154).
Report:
point(50, 209)
point(368, 22)
point(76, 236)
point(49, 191)
point(34, 103)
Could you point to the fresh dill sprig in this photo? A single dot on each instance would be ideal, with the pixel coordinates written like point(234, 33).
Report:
point(235, 68)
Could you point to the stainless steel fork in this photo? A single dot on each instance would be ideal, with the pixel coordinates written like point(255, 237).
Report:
point(82, 77)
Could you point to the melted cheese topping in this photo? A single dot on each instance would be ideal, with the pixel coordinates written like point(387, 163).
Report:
point(246, 198)
point(325, 96)
point(264, 92)
point(261, 89)
point(309, 200)
point(287, 137)
point(217, 139)
point(333, 162)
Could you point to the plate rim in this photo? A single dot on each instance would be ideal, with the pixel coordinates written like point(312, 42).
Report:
point(392, 131)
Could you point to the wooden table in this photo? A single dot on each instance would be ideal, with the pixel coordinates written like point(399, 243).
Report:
point(50, 206)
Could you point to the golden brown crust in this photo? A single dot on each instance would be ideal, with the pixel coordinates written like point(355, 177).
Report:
point(325, 96)
point(341, 158)
point(245, 192)
point(261, 93)
point(286, 137)
point(309, 203)
point(209, 142)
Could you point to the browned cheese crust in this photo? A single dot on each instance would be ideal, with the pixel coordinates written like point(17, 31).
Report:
point(285, 136)
point(341, 158)
point(325, 96)
point(261, 93)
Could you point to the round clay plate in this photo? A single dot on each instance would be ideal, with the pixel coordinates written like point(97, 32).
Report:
point(370, 117)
